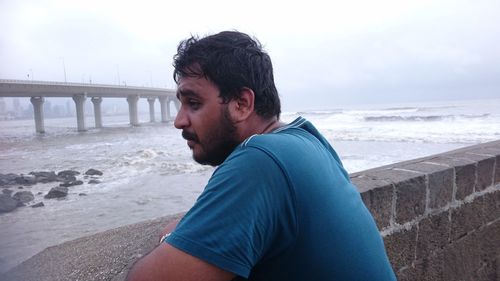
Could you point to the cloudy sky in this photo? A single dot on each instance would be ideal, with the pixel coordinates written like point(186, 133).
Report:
point(326, 53)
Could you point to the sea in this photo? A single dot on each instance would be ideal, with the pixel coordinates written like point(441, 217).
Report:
point(148, 171)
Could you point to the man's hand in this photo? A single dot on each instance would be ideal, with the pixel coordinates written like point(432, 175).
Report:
point(168, 263)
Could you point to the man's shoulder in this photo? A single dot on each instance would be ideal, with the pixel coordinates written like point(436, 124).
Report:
point(288, 136)
point(277, 146)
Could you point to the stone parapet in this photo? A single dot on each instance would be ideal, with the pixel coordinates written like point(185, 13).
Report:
point(439, 215)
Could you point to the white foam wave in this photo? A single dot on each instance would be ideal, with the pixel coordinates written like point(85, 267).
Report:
point(171, 168)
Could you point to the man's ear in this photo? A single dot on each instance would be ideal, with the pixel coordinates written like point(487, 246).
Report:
point(242, 107)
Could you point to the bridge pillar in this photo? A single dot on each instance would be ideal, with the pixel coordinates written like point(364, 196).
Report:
point(151, 109)
point(97, 111)
point(80, 111)
point(165, 110)
point(38, 112)
point(132, 110)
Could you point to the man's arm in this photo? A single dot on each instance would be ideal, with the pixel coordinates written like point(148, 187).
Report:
point(168, 263)
point(169, 228)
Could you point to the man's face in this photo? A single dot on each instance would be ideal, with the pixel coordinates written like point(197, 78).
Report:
point(205, 121)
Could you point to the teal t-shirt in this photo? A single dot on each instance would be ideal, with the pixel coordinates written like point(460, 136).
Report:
point(281, 207)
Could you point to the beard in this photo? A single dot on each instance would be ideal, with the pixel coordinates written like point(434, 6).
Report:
point(219, 142)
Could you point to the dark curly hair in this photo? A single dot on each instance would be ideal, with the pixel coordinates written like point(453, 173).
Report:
point(231, 60)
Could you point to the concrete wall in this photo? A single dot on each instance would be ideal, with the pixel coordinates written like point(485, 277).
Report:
point(440, 215)
point(440, 218)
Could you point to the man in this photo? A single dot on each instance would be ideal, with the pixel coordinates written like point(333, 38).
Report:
point(279, 206)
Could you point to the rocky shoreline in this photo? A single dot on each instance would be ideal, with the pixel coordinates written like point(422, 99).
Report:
point(11, 200)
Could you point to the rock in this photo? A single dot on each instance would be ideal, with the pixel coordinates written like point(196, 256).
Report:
point(67, 173)
point(20, 187)
point(57, 192)
point(8, 179)
point(39, 193)
point(43, 174)
point(82, 194)
point(71, 183)
point(67, 178)
point(37, 205)
point(93, 172)
point(7, 203)
point(7, 191)
point(45, 177)
point(93, 181)
point(26, 180)
point(24, 196)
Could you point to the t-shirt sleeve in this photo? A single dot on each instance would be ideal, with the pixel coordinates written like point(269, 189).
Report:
point(244, 215)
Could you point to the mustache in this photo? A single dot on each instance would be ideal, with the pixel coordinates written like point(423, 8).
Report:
point(189, 136)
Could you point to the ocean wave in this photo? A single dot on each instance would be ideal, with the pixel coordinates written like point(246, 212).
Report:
point(446, 135)
point(423, 118)
point(473, 116)
point(139, 158)
point(421, 108)
point(320, 112)
point(173, 168)
point(404, 139)
point(400, 110)
point(403, 108)
point(406, 118)
point(436, 108)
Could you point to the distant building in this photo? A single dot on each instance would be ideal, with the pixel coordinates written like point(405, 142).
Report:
point(3, 110)
point(3, 107)
point(17, 105)
point(69, 111)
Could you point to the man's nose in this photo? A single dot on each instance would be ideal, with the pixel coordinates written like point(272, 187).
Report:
point(181, 120)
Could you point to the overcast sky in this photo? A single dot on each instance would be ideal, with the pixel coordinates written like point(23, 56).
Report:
point(325, 53)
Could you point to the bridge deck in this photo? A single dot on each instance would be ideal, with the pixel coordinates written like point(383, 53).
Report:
point(37, 91)
point(20, 88)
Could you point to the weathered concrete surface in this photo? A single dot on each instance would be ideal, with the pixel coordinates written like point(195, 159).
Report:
point(103, 256)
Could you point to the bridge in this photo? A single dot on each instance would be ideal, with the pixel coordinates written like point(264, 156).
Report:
point(37, 91)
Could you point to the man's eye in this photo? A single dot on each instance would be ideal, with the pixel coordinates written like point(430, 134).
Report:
point(194, 104)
